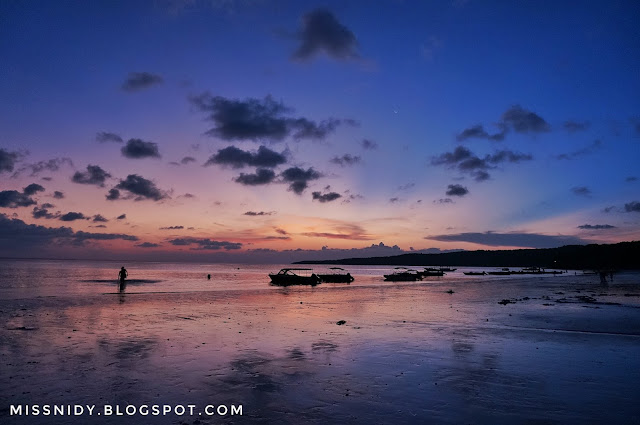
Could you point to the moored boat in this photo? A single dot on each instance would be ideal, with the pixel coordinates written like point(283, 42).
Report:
point(287, 277)
point(403, 275)
point(475, 273)
point(338, 275)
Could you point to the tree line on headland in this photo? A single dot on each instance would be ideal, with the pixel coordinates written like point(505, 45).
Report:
point(623, 255)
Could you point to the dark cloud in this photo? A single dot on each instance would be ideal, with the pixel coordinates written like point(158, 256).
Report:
point(187, 159)
point(456, 190)
point(524, 240)
point(596, 226)
point(262, 176)
point(631, 179)
point(42, 212)
point(99, 226)
point(254, 213)
point(575, 126)
point(15, 199)
point(466, 162)
point(368, 144)
point(257, 119)
point(581, 152)
point(121, 217)
point(172, 228)
point(508, 156)
point(298, 178)
point(608, 209)
point(8, 160)
point(321, 32)
point(140, 80)
point(148, 245)
point(137, 149)
point(94, 175)
point(32, 189)
point(47, 179)
point(406, 186)
point(205, 244)
point(139, 187)
point(581, 191)
point(237, 158)
point(73, 216)
point(478, 132)
point(40, 166)
point(345, 159)
point(394, 200)
point(343, 231)
point(105, 137)
point(444, 201)
point(632, 206)
point(58, 195)
point(99, 219)
point(325, 197)
point(113, 195)
point(524, 121)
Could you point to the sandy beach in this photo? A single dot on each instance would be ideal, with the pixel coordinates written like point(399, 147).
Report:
point(559, 350)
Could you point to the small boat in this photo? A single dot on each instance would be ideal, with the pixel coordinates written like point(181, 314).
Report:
point(403, 275)
point(439, 269)
point(287, 277)
point(338, 275)
point(504, 271)
point(475, 273)
point(431, 272)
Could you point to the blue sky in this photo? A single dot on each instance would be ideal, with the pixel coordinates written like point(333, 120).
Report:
point(412, 124)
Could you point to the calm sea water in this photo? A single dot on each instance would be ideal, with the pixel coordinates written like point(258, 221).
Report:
point(37, 278)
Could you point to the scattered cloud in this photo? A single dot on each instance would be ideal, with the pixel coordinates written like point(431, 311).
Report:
point(325, 197)
point(254, 213)
point(515, 239)
point(298, 178)
point(36, 168)
point(631, 179)
point(444, 201)
point(172, 228)
point(138, 187)
point(238, 158)
point(261, 176)
point(394, 200)
point(596, 226)
point(8, 160)
point(121, 217)
point(521, 120)
point(73, 216)
point(15, 199)
point(137, 81)
point(478, 132)
point(467, 162)
point(581, 152)
point(368, 144)
point(99, 219)
point(42, 212)
point(345, 159)
point(148, 245)
point(187, 159)
point(138, 149)
point(342, 231)
point(258, 119)
point(205, 244)
point(456, 190)
point(106, 137)
point(406, 186)
point(632, 206)
point(58, 195)
point(94, 175)
point(321, 32)
point(581, 191)
point(575, 126)
point(32, 189)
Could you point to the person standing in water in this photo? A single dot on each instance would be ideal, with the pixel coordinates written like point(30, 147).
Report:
point(122, 275)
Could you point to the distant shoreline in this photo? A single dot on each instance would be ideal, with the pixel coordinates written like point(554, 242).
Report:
point(623, 255)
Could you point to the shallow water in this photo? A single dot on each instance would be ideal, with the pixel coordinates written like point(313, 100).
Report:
point(564, 349)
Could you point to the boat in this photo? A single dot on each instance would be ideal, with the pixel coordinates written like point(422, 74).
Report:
point(439, 269)
point(431, 272)
point(475, 273)
point(504, 271)
point(338, 275)
point(403, 275)
point(287, 277)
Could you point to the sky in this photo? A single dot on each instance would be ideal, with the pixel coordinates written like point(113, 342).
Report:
point(263, 131)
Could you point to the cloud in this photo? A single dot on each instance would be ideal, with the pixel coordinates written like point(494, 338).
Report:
point(444, 201)
point(368, 144)
point(148, 245)
point(258, 119)
point(508, 156)
point(205, 244)
point(172, 228)
point(326, 197)
point(15, 199)
point(631, 179)
point(58, 195)
point(73, 216)
point(596, 226)
point(138, 186)
point(516, 239)
point(581, 191)
point(32, 189)
point(581, 152)
point(106, 137)
point(632, 206)
point(53, 164)
point(342, 231)
point(298, 178)
point(99, 219)
point(140, 80)
point(238, 158)
point(262, 176)
point(478, 132)
point(406, 186)
point(42, 212)
point(94, 175)
point(254, 213)
point(467, 162)
point(137, 149)
point(345, 159)
point(8, 160)
point(575, 126)
point(456, 190)
point(394, 200)
point(187, 159)
point(121, 217)
point(524, 121)
point(321, 32)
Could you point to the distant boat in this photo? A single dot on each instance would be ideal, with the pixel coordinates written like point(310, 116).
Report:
point(440, 269)
point(339, 275)
point(504, 271)
point(403, 275)
point(428, 272)
point(475, 273)
point(287, 277)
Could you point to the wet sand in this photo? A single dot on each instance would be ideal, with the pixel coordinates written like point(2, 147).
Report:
point(562, 350)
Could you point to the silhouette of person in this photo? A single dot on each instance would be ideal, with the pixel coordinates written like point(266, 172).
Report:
point(122, 275)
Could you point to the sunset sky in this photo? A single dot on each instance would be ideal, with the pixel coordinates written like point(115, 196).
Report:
point(222, 130)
